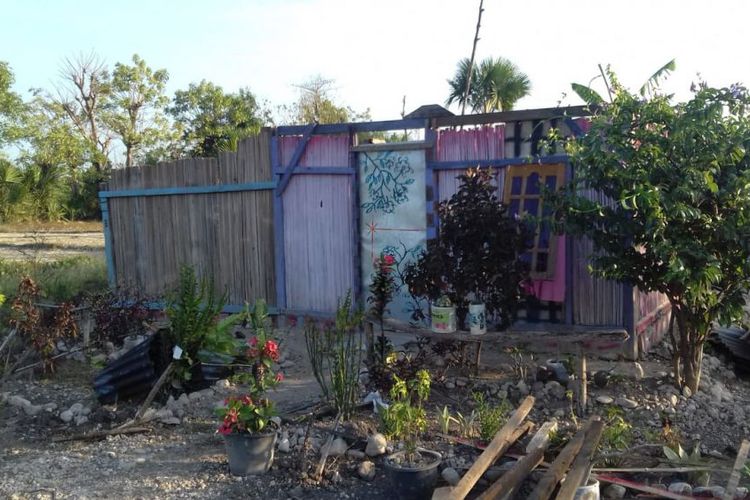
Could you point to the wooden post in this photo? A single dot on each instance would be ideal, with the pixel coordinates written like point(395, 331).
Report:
point(508, 484)
point(499, 445)
point(739, 463)
point(560, 466)
point(582, 464)
point(582, 393)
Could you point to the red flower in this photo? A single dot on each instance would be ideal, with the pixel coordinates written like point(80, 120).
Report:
point(252, 342)
point(232, 416)
point(225, 429)
point(272, 350)
point(279, 377)
point(247, 401)
point(388, 260)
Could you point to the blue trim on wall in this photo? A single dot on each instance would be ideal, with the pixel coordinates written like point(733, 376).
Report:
point(294, 161)
point(344, 128)
point(318, 171)
point(501, 162)
point(108, 245)
point(168, 191)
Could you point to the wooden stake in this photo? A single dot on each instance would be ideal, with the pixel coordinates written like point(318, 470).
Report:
point(582, 464)
point(739, 463)
point(499, 445)
point(325, 450)
point(507, 485)
point(582, 393)
point(560, 466)
point(151, 395)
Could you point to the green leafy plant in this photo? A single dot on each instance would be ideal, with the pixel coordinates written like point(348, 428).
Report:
point(193, 310)
point(490, 418)
point(476, 254)
point(671, 211)
point(336, 356)
point(467, 424)
point(618, 433)
point(245, 414)
point(405, 419)
point(445, 419)
point(678, 457)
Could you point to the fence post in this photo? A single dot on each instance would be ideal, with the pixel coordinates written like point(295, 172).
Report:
point(108, 247)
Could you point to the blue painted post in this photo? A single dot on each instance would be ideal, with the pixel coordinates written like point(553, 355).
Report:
point(278, 232)
point(431, 187)
point(108, 250)
point(358, 292)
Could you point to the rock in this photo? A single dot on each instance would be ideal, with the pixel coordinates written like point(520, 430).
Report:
point(626, 403)
point(605, 400)
point(451, 476)
point(32, 410)
point(80, 420)
point(662, 374)
point(461, 382)
point(709, 491)
point(680, 488)
point(740, 492)
point(335, 477)
point(637, 370)
point(673, 400)
point(171, 421)
point(222, 384)
point(195, 396)
point(450, 385)
point(687, 392)
point(376, 444)
point(164, 414)
point(614, 491)
point(356, 454)
point(76, 408)
point(66, 416)
point(559, 413)
point(366, 470)
point(338, 447)
point(18, 402)
point(601, 378)
point(284, 446)
point(297, 493)
point(149, 415)
point(522, 387)
point(555, 389)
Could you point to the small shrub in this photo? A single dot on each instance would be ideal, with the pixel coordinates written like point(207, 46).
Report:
point(405, 419)
point(118, 314)
point(490, 418)
point(60, 280)
point(618, 433)
point(193, 309)
point(335, 354)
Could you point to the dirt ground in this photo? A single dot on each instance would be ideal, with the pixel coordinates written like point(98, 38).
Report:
point(50, 245)
point(187, 459)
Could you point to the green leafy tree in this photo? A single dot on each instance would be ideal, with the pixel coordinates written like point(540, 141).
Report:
point(677, 177)
point(136, 110)
point(11, 106)
point(213, 120)
point(496, 85)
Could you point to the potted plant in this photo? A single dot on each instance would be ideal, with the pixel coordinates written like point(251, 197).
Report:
point(413, 472)
point(475, 257)
point(443, 315)
point(245, 421)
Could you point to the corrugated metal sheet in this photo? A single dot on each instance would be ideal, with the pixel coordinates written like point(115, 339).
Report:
point(321, 151)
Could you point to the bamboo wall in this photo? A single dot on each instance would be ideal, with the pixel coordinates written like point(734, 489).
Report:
point(227, 236)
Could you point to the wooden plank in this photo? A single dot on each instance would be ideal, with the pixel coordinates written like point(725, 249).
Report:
point(294, 161)
point(560, 465)
point(499, 445)
point(739, 464)
point(509, 483)
point(632, 485)
point(581, 467)
point(512, 116)
point(582, 384)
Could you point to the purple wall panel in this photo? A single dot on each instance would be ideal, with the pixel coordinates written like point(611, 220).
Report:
point(317, 241)
point(321, 151)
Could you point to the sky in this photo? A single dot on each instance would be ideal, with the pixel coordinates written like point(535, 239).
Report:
point(380, 51)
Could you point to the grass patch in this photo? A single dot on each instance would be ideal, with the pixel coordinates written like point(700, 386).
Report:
point(59, 280)
point(78, 226)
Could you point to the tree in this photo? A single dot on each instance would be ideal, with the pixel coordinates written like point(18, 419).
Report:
point(678, 221)
point(136, 110)
point(316, 105)
point(11, 106)
point(213, 120)
point(496, 85)
point(83, 94)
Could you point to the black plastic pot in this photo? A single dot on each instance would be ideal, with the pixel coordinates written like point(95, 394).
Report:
point(413, 483)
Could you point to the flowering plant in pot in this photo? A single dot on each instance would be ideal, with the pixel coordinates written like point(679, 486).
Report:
point(246, 420)
point(413, 472)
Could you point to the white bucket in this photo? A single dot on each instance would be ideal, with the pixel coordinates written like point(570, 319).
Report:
point(477, 319)
point(443, 319)
point(588, 492)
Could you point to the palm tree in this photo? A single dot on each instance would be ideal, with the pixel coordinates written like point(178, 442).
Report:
point(496, 85)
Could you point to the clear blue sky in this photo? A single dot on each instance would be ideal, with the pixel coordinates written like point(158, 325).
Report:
point(379, 51)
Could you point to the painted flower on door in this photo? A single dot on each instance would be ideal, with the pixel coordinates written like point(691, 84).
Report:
point(387, 176)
